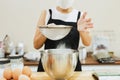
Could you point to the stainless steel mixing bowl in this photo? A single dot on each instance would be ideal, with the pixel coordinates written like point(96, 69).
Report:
point(59, 64)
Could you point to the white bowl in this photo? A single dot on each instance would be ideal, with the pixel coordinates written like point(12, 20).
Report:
point(55, 32)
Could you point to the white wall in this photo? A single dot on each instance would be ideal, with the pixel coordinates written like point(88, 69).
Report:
point(18, 18)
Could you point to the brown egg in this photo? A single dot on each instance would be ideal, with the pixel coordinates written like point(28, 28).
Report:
point(16, 73)
point(26, 71)
point(7, 73)
point(23, 77)
point(2, 78)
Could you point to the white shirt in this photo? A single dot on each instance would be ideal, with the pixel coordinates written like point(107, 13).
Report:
point(61, 16)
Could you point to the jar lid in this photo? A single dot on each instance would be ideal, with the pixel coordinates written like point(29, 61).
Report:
point(4, 60)
point(15, 56)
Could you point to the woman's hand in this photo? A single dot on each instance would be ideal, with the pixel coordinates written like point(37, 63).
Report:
point(83, 26)
point(84, 23)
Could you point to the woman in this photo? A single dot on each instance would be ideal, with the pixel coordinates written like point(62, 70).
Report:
point(64, 14)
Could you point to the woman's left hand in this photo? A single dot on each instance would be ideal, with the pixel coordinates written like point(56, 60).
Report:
point(84, 23)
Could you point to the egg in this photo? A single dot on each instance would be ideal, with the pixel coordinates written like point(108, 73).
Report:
point(16, 73)
point(7, 73)
point(2, 78)
point(23, 77)
point(26, 71)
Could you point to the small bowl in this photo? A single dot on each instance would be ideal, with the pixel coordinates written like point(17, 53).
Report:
point(55, 32)
point(59, 64)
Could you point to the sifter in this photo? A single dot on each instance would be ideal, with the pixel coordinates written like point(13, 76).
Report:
point(54, 32)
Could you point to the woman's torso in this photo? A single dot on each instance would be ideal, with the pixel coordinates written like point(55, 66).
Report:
point(72, 39)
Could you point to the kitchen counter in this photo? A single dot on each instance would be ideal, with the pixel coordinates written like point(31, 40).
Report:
point(31, 63)
point(76, 76)
point(89, 64)
point(91, 61)
point(88, 61)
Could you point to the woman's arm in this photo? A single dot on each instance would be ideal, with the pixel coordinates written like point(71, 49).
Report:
point(39, 38)
point(86, 38)
point(83, 25)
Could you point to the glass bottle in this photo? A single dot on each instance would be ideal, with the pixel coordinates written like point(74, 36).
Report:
point(4, 63)
point(16, 61)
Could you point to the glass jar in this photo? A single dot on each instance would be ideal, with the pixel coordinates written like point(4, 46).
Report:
point(82, 54)
point(4, 63)
point(16, 61)
point(2, 54)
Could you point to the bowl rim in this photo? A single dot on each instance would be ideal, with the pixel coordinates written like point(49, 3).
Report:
point(54, 26)
point(47, 51)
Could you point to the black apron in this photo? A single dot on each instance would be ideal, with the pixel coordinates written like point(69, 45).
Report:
point(71, 41)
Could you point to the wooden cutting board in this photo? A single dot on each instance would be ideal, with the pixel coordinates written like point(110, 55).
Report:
point(76, 76)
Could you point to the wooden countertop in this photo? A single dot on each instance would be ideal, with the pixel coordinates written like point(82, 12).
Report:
point(75, 76)
point(31, 63)
point(91, 61)
point(88, 61)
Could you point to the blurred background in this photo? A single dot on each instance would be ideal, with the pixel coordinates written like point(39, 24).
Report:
point(18, 19)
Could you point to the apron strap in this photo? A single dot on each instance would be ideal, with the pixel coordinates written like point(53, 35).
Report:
point(50, 11)
point(79, 13)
